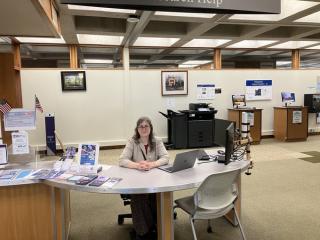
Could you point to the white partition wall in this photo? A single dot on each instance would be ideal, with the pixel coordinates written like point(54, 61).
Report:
point(107, 111)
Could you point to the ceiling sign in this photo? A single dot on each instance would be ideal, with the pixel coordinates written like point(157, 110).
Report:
point(205, 6)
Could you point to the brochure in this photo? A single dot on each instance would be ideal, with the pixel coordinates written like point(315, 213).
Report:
point(23, 174)
point(40, 174)
point(111, 182)
point(8, 174)
point(89, 154)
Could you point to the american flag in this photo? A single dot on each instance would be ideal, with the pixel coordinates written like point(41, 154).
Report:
point(4, 106)
point(37, 104)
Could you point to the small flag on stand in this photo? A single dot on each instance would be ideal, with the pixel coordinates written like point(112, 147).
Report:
point(4, 106)
point(37, 104)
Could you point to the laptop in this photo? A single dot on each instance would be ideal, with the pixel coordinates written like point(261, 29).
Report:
point(182, 161)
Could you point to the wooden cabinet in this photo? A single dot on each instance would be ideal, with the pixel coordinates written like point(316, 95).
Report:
point(235, 115)
point(291, 123)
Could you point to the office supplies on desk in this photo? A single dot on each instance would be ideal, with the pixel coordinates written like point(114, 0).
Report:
point(182, 161)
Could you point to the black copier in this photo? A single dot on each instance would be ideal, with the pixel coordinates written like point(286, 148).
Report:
point(191, 128)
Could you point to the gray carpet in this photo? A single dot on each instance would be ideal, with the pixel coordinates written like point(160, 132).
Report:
point(280, 201)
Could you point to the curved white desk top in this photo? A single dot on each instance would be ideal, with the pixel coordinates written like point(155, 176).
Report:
point(153, 181)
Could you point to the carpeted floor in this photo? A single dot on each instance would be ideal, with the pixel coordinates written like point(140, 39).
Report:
point(280, 200)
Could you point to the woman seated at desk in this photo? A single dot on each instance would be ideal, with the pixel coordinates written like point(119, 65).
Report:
point(144, 152)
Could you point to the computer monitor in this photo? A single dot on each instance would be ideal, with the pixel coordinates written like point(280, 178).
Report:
point(229, 143)
point(288, 97)
point(224, 137)
point(220, 126)
point(238, 100)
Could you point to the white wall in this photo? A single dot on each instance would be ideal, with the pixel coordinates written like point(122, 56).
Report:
point(107, 111)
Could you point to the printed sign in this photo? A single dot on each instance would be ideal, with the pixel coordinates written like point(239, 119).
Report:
point(258, 90)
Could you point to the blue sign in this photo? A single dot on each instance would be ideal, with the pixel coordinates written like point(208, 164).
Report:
point(258, 83)
point(50, 136)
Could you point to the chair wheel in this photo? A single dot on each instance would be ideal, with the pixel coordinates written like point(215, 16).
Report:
point(209, 230)
point(120, 220)
point(174, 215)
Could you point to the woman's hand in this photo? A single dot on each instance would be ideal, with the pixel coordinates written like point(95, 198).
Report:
point(146, 166)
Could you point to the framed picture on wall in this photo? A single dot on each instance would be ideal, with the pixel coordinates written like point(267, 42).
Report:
point(73, 81)
point(174, 83)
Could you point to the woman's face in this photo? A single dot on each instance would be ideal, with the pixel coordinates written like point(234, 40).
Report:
point(144, 129)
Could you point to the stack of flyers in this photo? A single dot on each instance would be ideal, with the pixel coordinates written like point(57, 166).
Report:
point(54, 174)
point(40, 174)
point(23, 174)
point(8, 174)
point(64, 176)
point(111, 182)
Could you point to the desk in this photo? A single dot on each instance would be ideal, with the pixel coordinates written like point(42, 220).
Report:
point(284, 127)
point(134, 181)
point(235, 114)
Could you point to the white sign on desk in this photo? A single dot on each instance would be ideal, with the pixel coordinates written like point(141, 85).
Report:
point(3, 154)
point(296, 116)
point(20, 142)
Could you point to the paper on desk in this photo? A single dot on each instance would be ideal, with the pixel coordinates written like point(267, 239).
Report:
point(111, 182)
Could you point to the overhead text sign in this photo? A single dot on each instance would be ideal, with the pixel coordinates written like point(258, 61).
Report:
point(213, 6)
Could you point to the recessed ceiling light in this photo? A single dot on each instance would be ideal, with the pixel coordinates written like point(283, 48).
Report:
point(99, 39)
point(154, 42)
point(288, 8)
point(180, 14)
point(206, 43)
point(100, 9)
point(40, 40)
point(294, 44)
point(251, 44)
point(105, 61)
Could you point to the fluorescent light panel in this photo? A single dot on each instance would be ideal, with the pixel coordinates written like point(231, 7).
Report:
point(100, 9)
point(154, 42)
point(294, 44)
point(288, 8)
point(196, 62)
point(99, 39)
point(40, 40)
point(312, 18)
point(251, 44)
point(206, 43)
point(105, 61)
point(315, 47)
point(180, 14)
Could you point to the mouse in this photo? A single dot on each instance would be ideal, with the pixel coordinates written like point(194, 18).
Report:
point(221, 152)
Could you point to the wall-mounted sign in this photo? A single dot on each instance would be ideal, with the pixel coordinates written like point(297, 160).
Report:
point(258, 90)
point(209, 6)
point(205, 91)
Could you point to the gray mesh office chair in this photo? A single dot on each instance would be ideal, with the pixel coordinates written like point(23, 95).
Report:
point(213, 199)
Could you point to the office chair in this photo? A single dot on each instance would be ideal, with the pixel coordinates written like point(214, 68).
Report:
point(213, 199)
point(126, 201)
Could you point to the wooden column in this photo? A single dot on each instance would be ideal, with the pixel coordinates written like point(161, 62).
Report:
point(73, 50)
point(295, 58)
point(10, 82)
point(217, 59)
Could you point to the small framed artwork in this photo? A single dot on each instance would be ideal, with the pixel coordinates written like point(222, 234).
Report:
point(174, 83)
point(73, 81)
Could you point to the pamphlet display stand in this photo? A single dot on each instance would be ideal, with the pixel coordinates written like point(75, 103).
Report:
point(291, 123)
point(235, 114)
